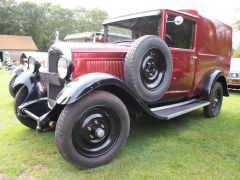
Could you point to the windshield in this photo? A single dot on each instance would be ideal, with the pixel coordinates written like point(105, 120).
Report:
point(131, 29)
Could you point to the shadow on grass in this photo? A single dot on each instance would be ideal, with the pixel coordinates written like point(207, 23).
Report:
point(141, 125)
point(149, 125)
point(142, 128)
point(234, 91)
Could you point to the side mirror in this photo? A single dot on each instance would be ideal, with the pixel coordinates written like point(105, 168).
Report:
point(178, 20)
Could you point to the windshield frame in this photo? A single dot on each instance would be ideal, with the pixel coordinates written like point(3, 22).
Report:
point(108, 22)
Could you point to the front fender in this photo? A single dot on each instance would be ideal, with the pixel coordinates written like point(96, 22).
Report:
point(25, 78)
point(30, 80)
point(84, 84)
point(17, 70)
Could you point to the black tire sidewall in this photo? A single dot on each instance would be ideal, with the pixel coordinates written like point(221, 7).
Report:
point(10, 86)
point(133, 63)
point(18, 100)
point(67, 120)
point(208, 110)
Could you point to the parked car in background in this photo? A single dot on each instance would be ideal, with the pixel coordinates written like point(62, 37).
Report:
point(94, 37)
point(172, 63)
point(234, 74)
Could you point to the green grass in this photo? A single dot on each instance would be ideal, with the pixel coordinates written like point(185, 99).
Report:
point(186, 147)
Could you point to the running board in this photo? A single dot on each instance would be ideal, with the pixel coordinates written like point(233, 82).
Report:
point(174, 110)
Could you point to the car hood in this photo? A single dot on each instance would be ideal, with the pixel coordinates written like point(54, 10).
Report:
point(68, 48)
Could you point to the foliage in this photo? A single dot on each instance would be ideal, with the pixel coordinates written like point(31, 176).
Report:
point(187, 147)
point(236, 26)
point(236, 53)
point(42, 21)
point(237, 23)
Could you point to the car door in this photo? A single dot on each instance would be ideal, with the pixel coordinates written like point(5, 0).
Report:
point(181, 39)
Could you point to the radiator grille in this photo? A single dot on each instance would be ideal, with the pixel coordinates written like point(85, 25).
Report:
point(114, 67)
point(53, 90)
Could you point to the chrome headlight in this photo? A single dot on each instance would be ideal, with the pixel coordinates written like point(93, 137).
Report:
point(63, 67)
point(234, 75)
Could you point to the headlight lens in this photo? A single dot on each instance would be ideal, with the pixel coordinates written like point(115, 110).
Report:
point(62, 67)
point(31, 64)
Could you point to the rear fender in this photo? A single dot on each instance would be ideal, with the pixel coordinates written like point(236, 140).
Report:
point(213, 77)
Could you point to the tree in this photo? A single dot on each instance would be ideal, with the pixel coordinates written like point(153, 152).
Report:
point(42, 21)
point(31, 21)
point(8, 21)
point(236, 53)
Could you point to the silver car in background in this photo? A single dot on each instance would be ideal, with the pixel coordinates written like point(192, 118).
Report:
point(234, 74)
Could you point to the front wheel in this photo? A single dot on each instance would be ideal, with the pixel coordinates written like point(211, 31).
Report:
point(93, 130)
point(20, 98)
point(216, 97)
point(10, 86)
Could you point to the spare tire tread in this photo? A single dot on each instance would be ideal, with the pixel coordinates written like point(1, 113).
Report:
point(131, 64)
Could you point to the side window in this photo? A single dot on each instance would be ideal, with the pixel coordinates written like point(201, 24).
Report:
point(180, 36)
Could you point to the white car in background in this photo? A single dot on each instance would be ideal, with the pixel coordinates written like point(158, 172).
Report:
point(234, 74)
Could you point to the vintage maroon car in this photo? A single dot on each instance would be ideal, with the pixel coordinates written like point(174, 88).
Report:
point(174, 63)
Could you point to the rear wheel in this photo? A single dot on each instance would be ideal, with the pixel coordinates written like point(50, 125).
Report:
point(20, 97)
point(216, 97)
point(93, 130)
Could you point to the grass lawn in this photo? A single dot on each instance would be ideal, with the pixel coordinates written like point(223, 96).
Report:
point(186, 147)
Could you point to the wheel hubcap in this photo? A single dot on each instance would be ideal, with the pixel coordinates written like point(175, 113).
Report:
point(96, 131)
point(152, 69)
point(99, 132)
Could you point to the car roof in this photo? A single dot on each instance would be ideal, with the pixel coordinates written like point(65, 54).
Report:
point(189, 12)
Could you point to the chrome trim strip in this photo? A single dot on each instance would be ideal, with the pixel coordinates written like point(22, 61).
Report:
point(188, 110)
point(64, 48)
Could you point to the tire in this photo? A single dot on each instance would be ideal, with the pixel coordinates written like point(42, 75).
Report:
point(216, 97)
point(19, 99)
point(10, 86)
point(76, 132)
point(148, 68)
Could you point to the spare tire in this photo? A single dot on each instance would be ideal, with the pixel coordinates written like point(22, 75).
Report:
point(148, 68)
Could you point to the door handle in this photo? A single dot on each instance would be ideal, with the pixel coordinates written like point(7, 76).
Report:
point(194, 57)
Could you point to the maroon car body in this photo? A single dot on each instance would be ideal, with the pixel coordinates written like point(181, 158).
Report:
point(212, 49)
point(171, 63)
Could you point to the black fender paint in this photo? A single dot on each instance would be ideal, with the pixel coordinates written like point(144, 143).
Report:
point(213, 77)
point(17, 70)
point(87, 83)
point(30, 80)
